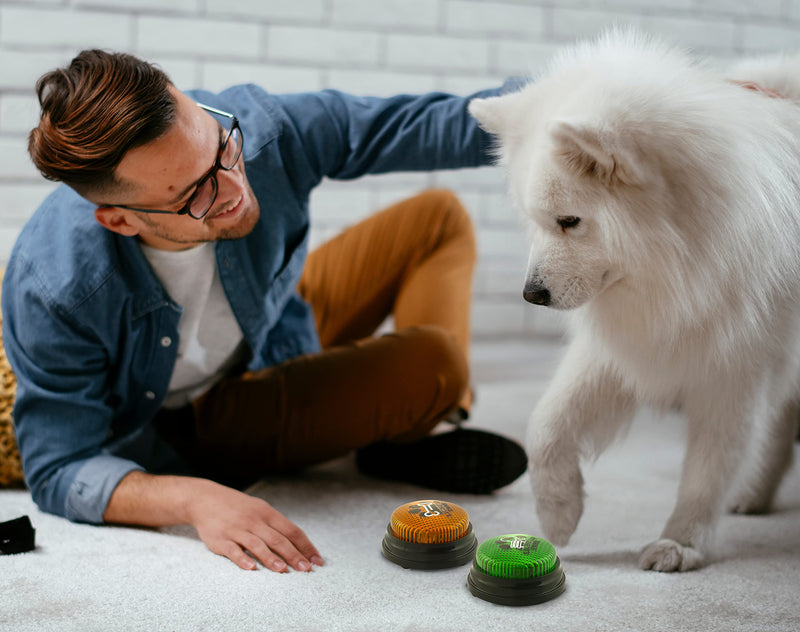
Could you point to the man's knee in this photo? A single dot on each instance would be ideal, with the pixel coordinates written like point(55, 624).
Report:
point(454, 217)
point(437, 353)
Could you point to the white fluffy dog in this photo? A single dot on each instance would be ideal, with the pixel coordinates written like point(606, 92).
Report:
point(664, 205)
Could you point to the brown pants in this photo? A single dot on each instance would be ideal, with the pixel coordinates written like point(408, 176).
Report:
point(412, 261)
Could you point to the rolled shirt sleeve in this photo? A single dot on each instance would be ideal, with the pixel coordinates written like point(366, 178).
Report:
point(89, 486)
point(63, 413)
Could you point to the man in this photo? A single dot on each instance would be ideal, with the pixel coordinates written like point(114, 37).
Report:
point(173, 342)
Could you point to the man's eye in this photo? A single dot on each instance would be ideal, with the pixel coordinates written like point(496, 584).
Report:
point(568, 221)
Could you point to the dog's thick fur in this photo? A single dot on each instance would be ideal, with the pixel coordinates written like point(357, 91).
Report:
point(664, 206)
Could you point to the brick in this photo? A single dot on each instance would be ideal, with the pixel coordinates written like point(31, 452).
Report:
point(378, 83)
point(21, 69)
point(472, 201)
point(205, 37)
point(419, 14)
point(631, 5)
point(318, 236)
point(399, 187)
point(271, 77)
point(18, 113)
point(8, 235)
point(498, 211)
point(494, 17)
point(21, 200)
point(14, 160)
point(322, 46)
point(312, 11)
point(48, 27)
point(467, 85)
point(184, 73)
point(521, 59)
point(541, 321)
point(158, 6)
point(492, 178)
point(758, 38)
point(503, 278)
point(744, 8)
point(499, 243)
point(337, 207)
point(493, 317)
point(699, 33)
point(427, 51)
point(571, 24)
point(42, 2)
point(388, 188)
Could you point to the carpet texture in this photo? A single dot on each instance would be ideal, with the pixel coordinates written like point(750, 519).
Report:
point(115, 578)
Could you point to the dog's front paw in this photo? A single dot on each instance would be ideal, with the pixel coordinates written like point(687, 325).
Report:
point(667, 556)
point(559, 518)
point(559, 501)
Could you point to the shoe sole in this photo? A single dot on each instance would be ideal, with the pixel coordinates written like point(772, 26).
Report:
point(463, 461)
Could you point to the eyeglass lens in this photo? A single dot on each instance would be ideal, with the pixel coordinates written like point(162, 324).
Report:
point(206, 193)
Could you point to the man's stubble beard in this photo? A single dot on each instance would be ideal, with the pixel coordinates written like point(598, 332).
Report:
point(242, 229)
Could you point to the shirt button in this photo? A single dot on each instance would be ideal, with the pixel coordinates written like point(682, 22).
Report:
point(150, 395)
point(166, 341)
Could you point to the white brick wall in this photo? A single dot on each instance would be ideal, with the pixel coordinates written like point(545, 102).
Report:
point(376, 47)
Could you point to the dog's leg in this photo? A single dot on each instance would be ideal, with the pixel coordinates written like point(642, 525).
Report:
point(717, 432)
point(581, 411)
point(773, 457)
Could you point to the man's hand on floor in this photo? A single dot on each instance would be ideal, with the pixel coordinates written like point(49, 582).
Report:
point(229, 522)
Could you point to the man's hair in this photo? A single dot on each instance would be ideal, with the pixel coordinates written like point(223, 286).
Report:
point(93, 111)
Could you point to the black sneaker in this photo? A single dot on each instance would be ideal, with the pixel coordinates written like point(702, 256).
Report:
point(462, 461)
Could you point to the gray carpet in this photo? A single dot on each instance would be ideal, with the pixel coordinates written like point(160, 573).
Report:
point(112, 578)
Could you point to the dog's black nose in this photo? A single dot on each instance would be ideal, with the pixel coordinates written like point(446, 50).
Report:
point(536, 295)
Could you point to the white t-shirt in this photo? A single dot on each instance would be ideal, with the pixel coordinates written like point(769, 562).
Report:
point(211, 341)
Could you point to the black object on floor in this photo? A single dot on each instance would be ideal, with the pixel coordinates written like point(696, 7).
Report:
point(462, 461)
point(17, 536)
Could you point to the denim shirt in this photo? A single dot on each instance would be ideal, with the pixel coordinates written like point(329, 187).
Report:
point(90, 331)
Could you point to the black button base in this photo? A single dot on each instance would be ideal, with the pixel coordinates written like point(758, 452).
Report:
point(517, 592)
point(429, 556)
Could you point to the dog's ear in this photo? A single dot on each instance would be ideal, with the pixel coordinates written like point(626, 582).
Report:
point(496, 115)
point(586, 150)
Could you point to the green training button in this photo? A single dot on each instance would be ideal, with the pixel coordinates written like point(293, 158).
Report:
point(516, 570)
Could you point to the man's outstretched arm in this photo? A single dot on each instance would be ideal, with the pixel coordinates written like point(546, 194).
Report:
point(229, 522)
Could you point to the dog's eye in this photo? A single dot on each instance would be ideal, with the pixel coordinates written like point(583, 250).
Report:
point(568, 221)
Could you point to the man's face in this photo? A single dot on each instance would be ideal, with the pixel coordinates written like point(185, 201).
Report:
point(162, 175)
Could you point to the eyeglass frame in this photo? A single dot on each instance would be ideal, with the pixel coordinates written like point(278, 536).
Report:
point(210, 174)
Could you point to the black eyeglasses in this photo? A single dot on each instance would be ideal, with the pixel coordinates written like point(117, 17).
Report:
point(205, 193)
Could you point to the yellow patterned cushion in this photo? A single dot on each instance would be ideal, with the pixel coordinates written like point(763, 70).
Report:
point(10, 464)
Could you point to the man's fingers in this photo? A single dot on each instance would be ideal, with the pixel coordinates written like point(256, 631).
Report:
point(295, 536)
point(243, 529)
point(274, 551)
point(235, 554)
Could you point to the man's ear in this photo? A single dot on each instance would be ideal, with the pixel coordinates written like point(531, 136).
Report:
point(115, 219)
